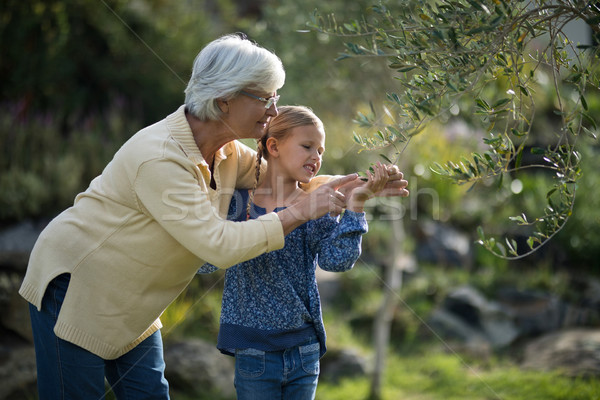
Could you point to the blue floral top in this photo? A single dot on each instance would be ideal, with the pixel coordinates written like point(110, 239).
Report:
point(272, 302)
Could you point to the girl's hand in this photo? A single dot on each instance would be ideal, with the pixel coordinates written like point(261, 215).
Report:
point(395, 186)
point(376, 182)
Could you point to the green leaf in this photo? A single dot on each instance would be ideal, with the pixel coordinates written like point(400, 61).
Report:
point(406, 68)
point(501, 248)
point(482, 103)
point(519, 158)
point(501, 102)
point(512, 246)
point(517, 133)
point(590, 133)
point(518, 219)
point(538, 150)
point(349, 28)
point(583, 102)
point(385, 158)
point(590, 120)
point(394, 97)
point(524, 90)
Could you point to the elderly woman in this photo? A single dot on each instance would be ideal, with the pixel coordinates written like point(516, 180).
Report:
point(104, 270)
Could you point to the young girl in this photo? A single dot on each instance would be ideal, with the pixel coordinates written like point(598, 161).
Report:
point(271, 312)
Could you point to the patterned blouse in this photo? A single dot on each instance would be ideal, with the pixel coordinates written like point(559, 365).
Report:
point(272, 302)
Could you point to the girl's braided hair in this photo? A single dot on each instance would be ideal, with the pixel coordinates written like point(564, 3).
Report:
point(288, 117)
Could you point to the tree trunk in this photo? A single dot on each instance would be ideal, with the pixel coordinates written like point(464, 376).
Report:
point(383, 321)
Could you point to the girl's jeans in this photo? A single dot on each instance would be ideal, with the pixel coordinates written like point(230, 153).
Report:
point(68, 372)
point(290, 374)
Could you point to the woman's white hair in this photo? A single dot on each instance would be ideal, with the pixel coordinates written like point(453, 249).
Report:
point(226, 66)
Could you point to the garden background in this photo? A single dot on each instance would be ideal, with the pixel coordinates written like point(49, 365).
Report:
point(80, 77)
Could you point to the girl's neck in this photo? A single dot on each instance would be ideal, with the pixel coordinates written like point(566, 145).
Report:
point(277, 190)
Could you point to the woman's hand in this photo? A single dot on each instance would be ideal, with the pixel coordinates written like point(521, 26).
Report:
point(326, 198)
point(375, 183)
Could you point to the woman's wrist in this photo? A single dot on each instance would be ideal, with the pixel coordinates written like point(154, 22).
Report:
point(291, 218)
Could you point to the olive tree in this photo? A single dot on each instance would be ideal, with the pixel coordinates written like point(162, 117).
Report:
point(483, 61)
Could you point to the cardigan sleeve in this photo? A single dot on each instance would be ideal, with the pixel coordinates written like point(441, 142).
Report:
point(173, 196)
point(338, 244)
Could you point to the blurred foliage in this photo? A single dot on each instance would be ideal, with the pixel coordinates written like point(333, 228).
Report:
point(196, 312)
point(73, 58)
point(484, 61)
point(40, 172)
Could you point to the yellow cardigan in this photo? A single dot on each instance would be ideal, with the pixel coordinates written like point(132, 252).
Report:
point(135, 238)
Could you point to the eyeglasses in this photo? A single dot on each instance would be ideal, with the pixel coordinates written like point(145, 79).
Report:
point(268, 102)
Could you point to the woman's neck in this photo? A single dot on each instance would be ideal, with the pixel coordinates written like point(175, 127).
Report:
point(209, 136)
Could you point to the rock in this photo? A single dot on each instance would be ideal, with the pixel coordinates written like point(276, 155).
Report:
point(17, 369)
point(337, 364)
point(575, 352)
point(441, 244)
point(467, 316)
point(537, 313)
point(195, 366)
point(329, 285)
point(16, 243)
point(15, 309)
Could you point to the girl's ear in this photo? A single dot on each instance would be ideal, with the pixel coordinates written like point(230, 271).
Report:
point(223, 105)
point(271, 147)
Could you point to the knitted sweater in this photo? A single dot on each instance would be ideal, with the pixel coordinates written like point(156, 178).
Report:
point(272, 302)
point(136, 237)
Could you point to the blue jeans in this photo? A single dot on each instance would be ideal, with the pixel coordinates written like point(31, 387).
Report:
point(290, 374)
point(68, 372)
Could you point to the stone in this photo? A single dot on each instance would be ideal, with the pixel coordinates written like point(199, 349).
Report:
point(198, 367)
point(337, 364)
point(16, 243)
point(468, 317)
point(575, 352)
point(18, 374)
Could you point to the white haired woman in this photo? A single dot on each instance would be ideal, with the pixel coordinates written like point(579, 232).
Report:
point(104, 270)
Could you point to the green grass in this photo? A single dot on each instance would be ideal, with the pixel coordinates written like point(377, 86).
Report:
point(435, 375)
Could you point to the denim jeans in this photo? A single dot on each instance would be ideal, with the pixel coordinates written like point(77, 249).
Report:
point(290, 374)
point(68, 372)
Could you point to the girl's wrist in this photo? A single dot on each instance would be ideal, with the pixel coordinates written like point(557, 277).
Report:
point(356, 205)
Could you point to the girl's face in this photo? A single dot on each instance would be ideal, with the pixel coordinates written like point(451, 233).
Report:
point(300, 153)
point(247, 117)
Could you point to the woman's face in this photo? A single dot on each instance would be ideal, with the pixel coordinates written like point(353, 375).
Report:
point(247, 116)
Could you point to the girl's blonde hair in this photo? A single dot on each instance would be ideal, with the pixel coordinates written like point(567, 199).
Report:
point(288, 117)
